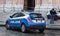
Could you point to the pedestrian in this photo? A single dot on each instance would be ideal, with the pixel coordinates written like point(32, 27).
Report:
point(53, 13)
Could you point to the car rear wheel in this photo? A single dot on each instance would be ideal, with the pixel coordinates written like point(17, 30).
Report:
point(41, 30)
point(23, 28)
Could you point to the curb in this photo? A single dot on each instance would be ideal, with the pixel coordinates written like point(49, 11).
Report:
point(52, 28)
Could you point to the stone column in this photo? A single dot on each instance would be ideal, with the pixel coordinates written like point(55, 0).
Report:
point(20, 4)
point(54, 3)
point(38, 3)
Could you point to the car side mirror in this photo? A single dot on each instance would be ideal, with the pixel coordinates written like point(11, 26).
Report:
point(11, 17)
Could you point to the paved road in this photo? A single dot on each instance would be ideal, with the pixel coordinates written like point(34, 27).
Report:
point(4, 32)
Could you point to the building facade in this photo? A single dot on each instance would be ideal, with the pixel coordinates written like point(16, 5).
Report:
point(28, 4)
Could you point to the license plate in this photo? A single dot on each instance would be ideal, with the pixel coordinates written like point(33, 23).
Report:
point(38, 21)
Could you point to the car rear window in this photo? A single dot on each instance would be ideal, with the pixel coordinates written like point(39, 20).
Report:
point(35, 15)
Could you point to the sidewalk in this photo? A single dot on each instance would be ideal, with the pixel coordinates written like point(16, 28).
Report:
point(56, 24)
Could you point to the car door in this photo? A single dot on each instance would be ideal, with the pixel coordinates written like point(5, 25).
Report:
point(15, 20)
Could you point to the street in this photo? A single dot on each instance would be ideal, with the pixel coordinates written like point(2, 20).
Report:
point(4, 32)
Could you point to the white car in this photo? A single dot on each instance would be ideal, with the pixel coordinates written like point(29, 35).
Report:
point(57, 16)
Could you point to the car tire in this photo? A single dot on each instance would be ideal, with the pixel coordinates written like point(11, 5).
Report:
point(23, 28)
point(7, 26)
point(41, 30)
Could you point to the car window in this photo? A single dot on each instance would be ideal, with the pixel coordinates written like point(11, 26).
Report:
point(15, 15)
point(35, 15)
point(21, 15)
point(18, 15)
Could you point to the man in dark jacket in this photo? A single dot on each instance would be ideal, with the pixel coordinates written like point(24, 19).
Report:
point(53, 13)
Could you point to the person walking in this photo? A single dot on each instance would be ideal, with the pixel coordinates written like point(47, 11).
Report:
point(53, 13)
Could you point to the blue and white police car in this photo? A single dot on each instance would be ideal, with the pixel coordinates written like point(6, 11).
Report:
point(26, 21)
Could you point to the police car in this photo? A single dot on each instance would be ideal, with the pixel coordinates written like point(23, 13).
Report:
point(26, 21)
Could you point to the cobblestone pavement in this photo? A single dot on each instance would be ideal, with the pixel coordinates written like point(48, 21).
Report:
point(4, 32)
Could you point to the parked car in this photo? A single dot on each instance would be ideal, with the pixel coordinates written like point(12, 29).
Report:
point(26, 21)
point(57, 16)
